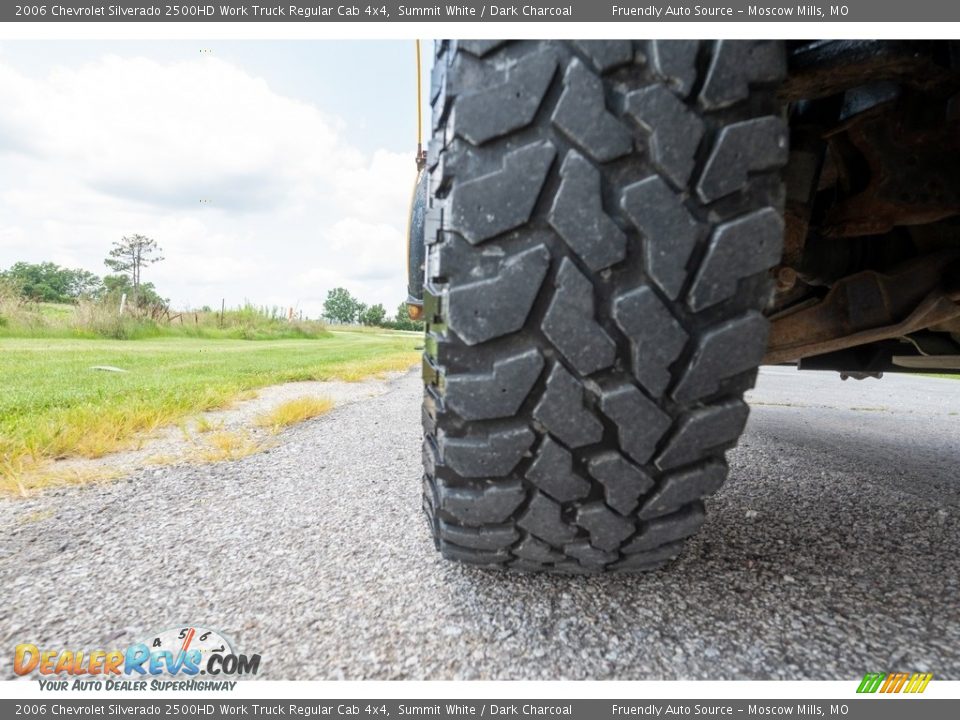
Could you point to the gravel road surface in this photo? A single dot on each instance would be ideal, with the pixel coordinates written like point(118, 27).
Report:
point(834, 549)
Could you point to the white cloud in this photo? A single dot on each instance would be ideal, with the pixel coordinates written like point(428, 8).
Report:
point(125, 145)
point(361, 257)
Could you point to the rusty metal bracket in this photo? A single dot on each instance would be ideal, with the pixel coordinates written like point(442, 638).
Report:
point(866, 307)
point(914, 173)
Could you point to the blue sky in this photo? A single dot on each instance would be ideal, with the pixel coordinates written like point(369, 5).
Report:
point(304, 150)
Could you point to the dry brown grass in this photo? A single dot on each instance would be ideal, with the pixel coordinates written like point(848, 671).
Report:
point(377, 367)
point(293, 412)
point(227, 445)
point(25, 478)
point(204, 424)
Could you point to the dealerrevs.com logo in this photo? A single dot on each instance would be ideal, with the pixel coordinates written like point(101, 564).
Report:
point(174, 659)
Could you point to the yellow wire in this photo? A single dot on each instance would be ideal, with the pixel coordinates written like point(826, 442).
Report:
point(419, 103)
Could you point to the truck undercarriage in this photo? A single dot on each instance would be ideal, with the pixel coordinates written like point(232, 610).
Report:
point(870, 275)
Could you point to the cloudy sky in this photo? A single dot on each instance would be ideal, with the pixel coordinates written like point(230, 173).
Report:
point(302, 150)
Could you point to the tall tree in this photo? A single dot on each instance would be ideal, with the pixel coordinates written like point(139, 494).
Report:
point(147, 294)
point(360, 311)
point(130, 254)
point(84, 282)
point(374, 315)
point(340, 306)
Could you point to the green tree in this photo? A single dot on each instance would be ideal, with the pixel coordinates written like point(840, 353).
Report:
point(129, 255)
point(116, 285)
point(49, 282)
point(374, 315)
point(84, 283)
point(340, 306)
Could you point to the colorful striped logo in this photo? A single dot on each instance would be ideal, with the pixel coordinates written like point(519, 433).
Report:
point(894, 682)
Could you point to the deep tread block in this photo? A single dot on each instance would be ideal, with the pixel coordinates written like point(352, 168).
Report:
point(470, 556)
point(492, 455)
point(623, 482)
point(552, 472)
point(485, 309)
point(590, 556)
point(537, 551)
point(481, 396)
point(736, 65)
point(578, 217)
point(656, 338)
point(542, 519)
point(528, 566)
point(582, 116)
point(485, 538)
point(669, 232)
point(562, 411)
point(606, 54)
point(437, 77)
point(675, 62)
point(727, 350)
point(510, 105)
point(429, 456)
point(674, 131)
point(702, 430)
point(430, 503)
point(502, 200)
point(570, 325)
point(684, 486)
point(744, 148)
point(490, 504)
point(607, 529)
point(640, 423)
point(479, 48)
point(738, 249)
point(667, 529)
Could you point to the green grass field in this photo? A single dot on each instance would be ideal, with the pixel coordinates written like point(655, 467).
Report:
point(54, 405)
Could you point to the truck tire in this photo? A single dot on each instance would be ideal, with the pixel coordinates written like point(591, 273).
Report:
point(603, 217)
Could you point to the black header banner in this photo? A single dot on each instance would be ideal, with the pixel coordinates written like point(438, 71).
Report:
point(628, 11)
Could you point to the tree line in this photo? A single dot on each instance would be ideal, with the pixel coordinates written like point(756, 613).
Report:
point(342, 307)
point(52, 283)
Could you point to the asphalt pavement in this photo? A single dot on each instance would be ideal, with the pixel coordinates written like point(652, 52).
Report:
point(833, 550)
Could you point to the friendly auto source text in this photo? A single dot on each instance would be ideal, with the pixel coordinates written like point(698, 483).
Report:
point(670, 11)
